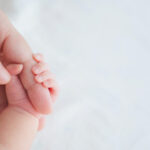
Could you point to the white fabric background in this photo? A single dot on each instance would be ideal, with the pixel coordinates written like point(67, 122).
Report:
point(100, 53)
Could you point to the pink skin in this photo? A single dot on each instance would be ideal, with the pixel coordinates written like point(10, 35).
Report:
point(46, 78)
point(20, 99)
point(15, 50)
point(4, 79)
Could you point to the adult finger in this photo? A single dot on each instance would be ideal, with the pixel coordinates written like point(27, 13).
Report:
point(4, 75)
point(14, 69)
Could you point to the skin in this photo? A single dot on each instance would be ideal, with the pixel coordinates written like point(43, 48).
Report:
point(15, 50)
point(27, 90)
point(40, 71)
point(18, 118)
point(16, 124)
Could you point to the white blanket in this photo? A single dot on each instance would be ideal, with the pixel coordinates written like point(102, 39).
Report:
point(100, 53)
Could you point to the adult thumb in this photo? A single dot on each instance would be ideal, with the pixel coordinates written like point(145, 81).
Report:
point(4, 75)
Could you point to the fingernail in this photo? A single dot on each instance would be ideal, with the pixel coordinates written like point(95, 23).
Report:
point(36, 70)
point(4, 75)
point(20, 66)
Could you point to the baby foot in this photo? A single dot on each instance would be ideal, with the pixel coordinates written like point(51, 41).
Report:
point(43, 75)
